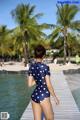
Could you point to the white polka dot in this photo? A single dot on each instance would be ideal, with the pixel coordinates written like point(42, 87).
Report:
point(37, 67)
point(41, 86)
point(44, 88)
point(38, 74)
point(40, 80)
point(40, 90)
point(42, 94)
point(34, 74)
point(35, 99)
point(32, 67)
point(36, 93)
point(32, 95)
point(40, 71)
point(42, 77)
point(47, 92)
point(44, 83)
point(38, 97)
point(42, 66)
point(45, 69)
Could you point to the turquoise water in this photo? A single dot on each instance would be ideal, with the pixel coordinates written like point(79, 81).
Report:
point(76, 95)
point(74, 84)
point(14, 94)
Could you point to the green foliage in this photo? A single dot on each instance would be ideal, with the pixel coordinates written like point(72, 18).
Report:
point(66, 14)
point(29, 32)
point(65, 23)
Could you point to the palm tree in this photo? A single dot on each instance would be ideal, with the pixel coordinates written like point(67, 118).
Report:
point(65, 22)
point(3, 37)
point(6, 42)
point(29, 27)
point(73, 45)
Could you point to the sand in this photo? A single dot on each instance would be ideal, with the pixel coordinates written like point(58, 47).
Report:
point(18, 66)
point(59, 67)
point(13, 66)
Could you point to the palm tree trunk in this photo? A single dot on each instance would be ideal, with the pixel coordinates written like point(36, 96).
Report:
point(25, 55)
point(26, 48)
point(69, 56)
point(65, 45)
point(65, 54)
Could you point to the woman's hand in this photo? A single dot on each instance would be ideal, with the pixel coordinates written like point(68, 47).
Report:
point(56, 100)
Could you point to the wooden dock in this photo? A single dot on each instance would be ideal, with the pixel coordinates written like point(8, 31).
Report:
point(67, 110)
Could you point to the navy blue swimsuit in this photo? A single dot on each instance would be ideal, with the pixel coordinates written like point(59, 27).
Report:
point(39, 70)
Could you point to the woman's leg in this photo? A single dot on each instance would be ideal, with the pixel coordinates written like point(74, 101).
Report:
point(37, 111)
point(47, 109)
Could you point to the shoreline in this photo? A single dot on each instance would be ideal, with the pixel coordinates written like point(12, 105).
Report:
point(71, 71)
point(14, 67)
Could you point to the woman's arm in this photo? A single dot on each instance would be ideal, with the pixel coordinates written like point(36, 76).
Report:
point(31, 81)
point(50, 88)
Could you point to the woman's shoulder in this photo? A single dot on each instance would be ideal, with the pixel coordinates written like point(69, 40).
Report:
point(41, 64)
point(31, 65)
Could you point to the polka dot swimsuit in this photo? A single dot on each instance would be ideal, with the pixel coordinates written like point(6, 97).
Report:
point(39, 70)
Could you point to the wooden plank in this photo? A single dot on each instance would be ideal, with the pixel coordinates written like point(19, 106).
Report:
point(67, 110)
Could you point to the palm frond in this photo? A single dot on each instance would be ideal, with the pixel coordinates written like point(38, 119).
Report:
point(73, 10)
point(75, 25)
point(46, 26)
point(37, 16)
point(55, 33)
point(31, 10)
point(66, 13)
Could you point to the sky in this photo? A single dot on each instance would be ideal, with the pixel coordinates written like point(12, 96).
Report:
point(47, 7)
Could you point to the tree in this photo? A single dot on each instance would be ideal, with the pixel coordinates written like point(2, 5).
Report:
point(4, 40)
point(29, 27)
point(65, 23)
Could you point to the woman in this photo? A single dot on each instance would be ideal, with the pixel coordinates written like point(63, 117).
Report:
point(39, 74)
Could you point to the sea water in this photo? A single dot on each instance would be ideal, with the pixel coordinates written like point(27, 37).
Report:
point(74, 84)
point(14, 94)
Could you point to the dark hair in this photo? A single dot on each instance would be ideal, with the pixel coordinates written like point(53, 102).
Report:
point(39, 51)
